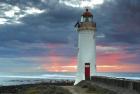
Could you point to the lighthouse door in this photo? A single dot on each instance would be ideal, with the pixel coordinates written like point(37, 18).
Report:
point(87, 71)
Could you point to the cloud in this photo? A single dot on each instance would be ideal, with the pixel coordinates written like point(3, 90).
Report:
point(82, 3)
point(117, 20)
point(11, 14)
point(59, 64)
point(119, 68)
point(46, 28)
point(19, 64)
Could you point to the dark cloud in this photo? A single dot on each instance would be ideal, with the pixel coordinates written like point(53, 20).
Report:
point(117, 20)
point(53, 26)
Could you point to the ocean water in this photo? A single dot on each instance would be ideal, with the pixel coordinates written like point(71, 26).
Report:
point(28, 78)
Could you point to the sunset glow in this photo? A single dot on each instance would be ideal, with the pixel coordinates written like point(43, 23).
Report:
point(109, 59)
point(38, 36)
point(119, 68)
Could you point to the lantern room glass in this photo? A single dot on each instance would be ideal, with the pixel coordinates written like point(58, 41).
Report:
point(86, 19)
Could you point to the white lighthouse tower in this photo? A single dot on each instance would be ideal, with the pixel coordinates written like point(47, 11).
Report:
point(87, 47)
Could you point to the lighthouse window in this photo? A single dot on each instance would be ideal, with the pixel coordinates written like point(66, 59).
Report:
point(82, 19)
point(87, 19)
point(90, 19)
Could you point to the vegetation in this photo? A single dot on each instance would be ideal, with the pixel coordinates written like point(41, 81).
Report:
point(45, 90)
point(94, 88)
point(33, 89)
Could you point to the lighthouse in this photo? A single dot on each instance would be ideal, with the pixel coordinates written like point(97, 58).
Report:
point(86, 29)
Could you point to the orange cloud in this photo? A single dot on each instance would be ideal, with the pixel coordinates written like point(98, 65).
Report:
point(107, 61)
point(60, 64)
point(112, 62)
point(119, 68)
point(116, 62)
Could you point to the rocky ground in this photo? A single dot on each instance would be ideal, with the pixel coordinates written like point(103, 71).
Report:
point(101, 88)
point(88, 89)
point(79, 90)
point(84, 87)
point(43, 88)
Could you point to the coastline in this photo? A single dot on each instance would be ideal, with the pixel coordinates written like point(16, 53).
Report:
point(97, 85)
point(84, 87)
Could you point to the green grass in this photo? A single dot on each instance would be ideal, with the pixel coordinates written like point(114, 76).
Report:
point(45, 90)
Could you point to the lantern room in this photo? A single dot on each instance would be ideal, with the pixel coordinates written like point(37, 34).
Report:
point(87, 16)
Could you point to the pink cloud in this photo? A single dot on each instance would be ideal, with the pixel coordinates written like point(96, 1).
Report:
point(109, 59)
point(116, 61)
point(60, 64)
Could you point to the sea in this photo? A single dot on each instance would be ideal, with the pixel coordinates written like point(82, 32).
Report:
point(7, 79)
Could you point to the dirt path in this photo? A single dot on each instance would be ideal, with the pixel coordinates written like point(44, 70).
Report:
point(76, 90)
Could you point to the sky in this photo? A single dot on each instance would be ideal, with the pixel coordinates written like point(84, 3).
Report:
point(39, 35)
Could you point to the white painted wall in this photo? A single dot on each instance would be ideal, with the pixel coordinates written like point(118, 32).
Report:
point(86, 53)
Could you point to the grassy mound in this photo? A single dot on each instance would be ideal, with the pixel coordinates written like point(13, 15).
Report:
point(90, 88)
point(45, 90)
